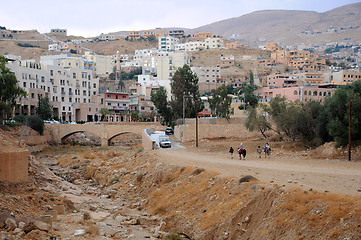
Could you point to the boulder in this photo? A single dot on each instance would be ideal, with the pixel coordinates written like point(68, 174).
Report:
point(10, 224)
point(36, 225)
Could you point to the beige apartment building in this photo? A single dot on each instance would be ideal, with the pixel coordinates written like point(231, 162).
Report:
point(226, 60)
point(168, 63)
point(73, 92)
point(212, 43)
point(204, 35)
point(161, 32)
point(272, 47)
point(299, 60)
point(342, 77)
point(209, 78)
point(134, 34)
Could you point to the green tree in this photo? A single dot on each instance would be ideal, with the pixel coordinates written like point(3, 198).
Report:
point(251, 78)
point(220, 103)
point(9, 90)
point(337, 109)
point(185, 84)
point(159, 98)
point(248, 96)
point(257, 122)
point(44, 108)
point(104, 112)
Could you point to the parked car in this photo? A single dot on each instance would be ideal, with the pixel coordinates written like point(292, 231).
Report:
point(164, 142)
point(169, 131)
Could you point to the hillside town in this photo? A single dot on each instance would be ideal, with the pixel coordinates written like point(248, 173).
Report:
point(80, 82)
point(245, 128)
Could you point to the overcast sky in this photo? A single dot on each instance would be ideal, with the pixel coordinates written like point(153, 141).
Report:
point(92, 17)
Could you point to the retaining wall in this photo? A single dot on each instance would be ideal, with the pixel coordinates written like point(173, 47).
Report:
point(14, 165)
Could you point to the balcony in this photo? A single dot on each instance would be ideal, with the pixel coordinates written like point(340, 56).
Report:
point(71, 93)
point(62, 93)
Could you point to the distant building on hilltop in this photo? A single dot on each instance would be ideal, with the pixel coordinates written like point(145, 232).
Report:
point(59, 31)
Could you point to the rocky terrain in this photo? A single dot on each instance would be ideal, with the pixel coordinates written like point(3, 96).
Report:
point(123, 192)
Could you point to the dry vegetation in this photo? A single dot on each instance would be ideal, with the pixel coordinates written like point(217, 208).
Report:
point(194, 201)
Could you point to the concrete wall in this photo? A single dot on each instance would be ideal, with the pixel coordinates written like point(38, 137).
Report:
point(36, 140)
point(14, 165)
point(147, 143)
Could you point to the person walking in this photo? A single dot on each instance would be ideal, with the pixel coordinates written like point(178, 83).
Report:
point(259, 151)
point(231, 152)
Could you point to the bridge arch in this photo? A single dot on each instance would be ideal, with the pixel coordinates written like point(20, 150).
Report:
point(62, 139)
point(121, 133)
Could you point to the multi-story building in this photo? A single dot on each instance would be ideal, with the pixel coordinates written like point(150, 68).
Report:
point(176, 33)
point(100, 64)
point(106, 37)
point(161, 32)
point(283, 80)
point(194, 46)
point(209, 78)
point(227, 60)
point(148, 33)
point(167, 43)
point(134, 34)
point(73, 92)
point(180, 47)
point(299, 59)
point(272, 47)
point(299, 93)
point(212, 43)
point(342, 77)
point(168, 63)
point(118, 103)
point(59, 31)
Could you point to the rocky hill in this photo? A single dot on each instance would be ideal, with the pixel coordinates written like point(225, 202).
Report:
point(292, 27)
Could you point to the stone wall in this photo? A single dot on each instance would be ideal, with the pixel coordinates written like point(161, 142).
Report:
point(221, 128)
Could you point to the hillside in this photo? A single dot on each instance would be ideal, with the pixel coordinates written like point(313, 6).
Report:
point(289, 27)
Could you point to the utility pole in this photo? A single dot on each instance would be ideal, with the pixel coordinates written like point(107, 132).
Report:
point(196, 123)
point(349, 132)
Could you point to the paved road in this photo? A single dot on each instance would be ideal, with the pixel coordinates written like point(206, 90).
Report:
point(155, 137)
point(322, 175)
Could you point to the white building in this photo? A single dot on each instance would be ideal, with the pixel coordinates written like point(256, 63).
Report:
point(53, 48)
point(195, 46)
point(106, 37)
point(180, 47)
point(212, 43)
point(167, 43)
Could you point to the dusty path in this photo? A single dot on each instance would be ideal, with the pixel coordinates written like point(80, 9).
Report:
point(322, 175)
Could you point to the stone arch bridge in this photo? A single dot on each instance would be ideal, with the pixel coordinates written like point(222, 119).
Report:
point(106, 132)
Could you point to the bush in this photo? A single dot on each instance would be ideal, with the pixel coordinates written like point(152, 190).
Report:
point(33, 122)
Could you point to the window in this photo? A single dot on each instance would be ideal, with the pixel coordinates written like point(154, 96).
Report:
point(32, 95)
point(51, 73)
point(295, 92)
point(109, 104)
point(24, 84)
point(74, 75)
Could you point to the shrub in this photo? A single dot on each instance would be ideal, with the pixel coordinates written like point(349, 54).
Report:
point(31, 121)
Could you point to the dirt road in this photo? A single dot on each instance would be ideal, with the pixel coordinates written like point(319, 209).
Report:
point(333, 176)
